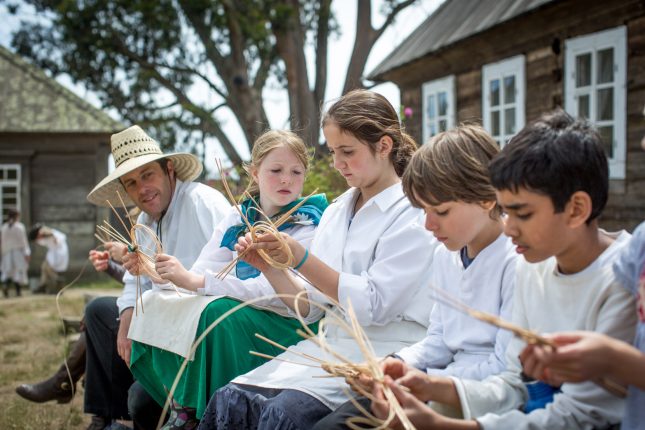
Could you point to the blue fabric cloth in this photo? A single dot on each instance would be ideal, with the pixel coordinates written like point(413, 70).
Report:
point(308, 213)
point(249, 407)
point(630, 272)
point(540, 395)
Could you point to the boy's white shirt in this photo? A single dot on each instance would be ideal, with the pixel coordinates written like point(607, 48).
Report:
point(193, 213)
point(384, 258)
point(547, 301)
point(456, 344)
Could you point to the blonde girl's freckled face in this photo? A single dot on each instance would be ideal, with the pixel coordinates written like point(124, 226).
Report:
point(280, 177)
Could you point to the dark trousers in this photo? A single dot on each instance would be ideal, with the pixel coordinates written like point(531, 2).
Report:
point(336, 420)
point(109, 388)
point(235, 407)
point(107, 378)
point(145, 412)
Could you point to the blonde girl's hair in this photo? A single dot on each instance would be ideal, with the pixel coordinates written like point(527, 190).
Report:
point(368, 116)
point(267, 142)
point(453, 166)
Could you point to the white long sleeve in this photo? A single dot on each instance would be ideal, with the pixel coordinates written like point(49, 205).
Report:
point(214, 257)
point(546, 301)
point(456, 344)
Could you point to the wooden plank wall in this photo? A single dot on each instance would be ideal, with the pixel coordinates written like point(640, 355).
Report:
point(540, 36)
point(59, 172)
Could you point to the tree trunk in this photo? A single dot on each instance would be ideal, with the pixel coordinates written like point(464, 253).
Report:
point(290, 44)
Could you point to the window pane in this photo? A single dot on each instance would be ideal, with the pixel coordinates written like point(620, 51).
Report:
point(494, 123)
point(431, 110)
point(10, 201)
point(433, 129)
point(607, 136)
point(2, 175)
point(443, 125)
point(509, 89)
point(494, 92)
point(12, 174)
point(605, 107)
point(583, 106)
point(605, 64)
point(442, 99)
point(583, 70)
point(509, 121)
point(9, 190)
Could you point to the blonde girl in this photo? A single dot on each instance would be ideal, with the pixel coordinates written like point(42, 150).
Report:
point(278, 166)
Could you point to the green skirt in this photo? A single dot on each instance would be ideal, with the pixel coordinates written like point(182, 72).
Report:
point(222, 355)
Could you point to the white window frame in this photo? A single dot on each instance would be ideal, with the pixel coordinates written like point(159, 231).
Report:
point(10, 182)
point(514, 66)
point(615, 38)
point(435, 87)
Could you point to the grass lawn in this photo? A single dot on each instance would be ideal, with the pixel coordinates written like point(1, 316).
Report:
point(32, 347)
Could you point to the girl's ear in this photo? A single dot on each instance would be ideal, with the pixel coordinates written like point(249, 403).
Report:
point(578, 208)
point(385, 146)
point(254, 173)
point(488, 205)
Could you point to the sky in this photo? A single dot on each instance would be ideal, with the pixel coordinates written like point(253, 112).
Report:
point(276, 102)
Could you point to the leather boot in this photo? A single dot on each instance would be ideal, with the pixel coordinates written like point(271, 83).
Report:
point(58, 387)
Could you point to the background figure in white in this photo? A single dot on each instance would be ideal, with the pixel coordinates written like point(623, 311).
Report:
point(57, 259)
point(15, 253)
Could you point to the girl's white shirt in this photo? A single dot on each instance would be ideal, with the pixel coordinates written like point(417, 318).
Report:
point(214, 258)
point(383, 256)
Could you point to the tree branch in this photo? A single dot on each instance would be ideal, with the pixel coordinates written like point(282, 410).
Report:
point(210, 124)
point(390, 18)
point(189, 70)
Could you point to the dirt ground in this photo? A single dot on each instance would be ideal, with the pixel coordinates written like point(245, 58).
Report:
point(32, 346)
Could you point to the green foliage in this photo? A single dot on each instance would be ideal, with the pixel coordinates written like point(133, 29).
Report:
point(323, 176)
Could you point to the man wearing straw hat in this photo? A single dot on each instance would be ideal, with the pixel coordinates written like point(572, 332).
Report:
point(183, 214)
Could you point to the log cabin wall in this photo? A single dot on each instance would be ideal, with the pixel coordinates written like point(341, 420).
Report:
point(540, 36)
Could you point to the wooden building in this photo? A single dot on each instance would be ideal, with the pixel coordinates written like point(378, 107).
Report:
point(54, 148)
point(505, 62)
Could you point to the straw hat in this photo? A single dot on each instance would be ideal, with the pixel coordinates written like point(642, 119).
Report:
point(132, 148)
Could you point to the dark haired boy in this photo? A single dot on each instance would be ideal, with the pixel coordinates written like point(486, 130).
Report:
point(551, 180)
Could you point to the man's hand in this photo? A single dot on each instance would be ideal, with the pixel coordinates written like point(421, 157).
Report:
point(116, 250)
point(131, 263)
point(123, 344)
point(99, 260)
